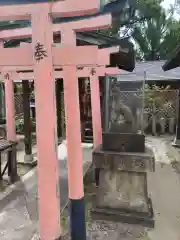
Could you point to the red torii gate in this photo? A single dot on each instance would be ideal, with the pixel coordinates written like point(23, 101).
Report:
point(103, 59)
point(85, 56)
point(68, 38)
point(42, 37)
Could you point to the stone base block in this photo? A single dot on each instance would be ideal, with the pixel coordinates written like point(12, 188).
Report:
point(122, 190)
point(176, 143)
point(30, 160)
point(123, 142)
point(117, 215)
point(123, 161)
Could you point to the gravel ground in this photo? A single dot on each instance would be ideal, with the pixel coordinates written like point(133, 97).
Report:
point(164, 188)
point(103, 230)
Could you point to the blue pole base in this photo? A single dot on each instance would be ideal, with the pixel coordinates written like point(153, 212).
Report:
point(77, 219)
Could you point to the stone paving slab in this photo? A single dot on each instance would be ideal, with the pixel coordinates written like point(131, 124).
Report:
point(15, 222)
point(164, 188)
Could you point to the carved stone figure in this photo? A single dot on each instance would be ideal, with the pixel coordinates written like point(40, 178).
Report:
point(123, 117)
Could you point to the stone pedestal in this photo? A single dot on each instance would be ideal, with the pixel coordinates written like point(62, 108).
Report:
point(122, 194)
point(30, 159)
point(123, 142)
point(176, 143)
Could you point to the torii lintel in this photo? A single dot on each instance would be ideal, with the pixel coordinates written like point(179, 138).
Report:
point(67, 8)
point(66, 55)
point(98, 22)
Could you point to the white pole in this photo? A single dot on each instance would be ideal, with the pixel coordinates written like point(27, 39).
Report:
point(143, 102)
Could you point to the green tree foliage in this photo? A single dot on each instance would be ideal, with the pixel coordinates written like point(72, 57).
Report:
point(155, 31)
point(156, 37)
point(134, 13)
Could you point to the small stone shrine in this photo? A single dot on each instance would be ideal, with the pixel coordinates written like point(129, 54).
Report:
point(123, 161)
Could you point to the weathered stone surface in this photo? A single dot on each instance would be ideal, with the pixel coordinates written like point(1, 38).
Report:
point(122, 190)
point(122, 194)
point(139, 162)
point(131, 217)
point(123, 142)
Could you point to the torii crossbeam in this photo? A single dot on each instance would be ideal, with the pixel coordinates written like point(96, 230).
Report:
point(72, 55)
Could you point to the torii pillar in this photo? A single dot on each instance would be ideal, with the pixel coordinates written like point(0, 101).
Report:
point(74, 149)
point(96, 108)
point(10, 103)
point(48, 178)
point(10, 106)
point(96, 114)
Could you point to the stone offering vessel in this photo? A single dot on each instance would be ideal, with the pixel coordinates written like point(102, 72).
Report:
point(123, 161)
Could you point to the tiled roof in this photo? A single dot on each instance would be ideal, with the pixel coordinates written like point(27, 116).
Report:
point(151, 71)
